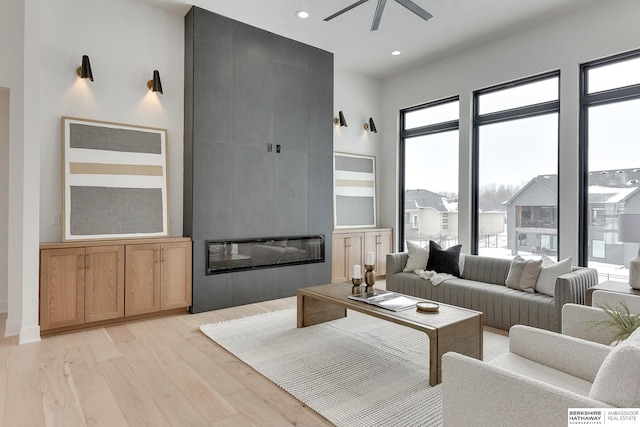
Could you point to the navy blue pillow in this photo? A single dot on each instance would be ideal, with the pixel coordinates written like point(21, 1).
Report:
point(444, 261)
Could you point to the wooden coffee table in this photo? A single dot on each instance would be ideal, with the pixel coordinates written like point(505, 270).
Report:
point(450, 329)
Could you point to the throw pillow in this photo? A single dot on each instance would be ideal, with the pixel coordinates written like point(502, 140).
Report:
point(444, 261)
point(523, 274)
point(418, 257)
point(616, 382)
point(549, 272)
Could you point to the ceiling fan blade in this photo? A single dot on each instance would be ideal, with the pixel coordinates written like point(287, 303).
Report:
point(378, 15)
point(346, 9)
point(415, 9)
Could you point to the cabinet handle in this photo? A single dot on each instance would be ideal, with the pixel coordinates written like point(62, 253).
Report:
point(348, 242)
point(81, 262)
point(155, 255)
point(162, 259)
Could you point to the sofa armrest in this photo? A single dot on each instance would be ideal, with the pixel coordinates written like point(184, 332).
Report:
point(575, 323)
point(396, 262)
point(571, 355)
point(476, 393)
point(572, 287)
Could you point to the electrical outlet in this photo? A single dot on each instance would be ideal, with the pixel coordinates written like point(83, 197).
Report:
point(55, 219)
point(278, 148)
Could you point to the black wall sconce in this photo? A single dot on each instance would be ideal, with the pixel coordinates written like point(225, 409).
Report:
point(340, 119)
point(155, 85)
point(84, 71)
point(370, 126)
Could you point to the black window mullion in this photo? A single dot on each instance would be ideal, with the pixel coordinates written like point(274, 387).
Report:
point(431, 129)
point(613, 95)
point(519, 113)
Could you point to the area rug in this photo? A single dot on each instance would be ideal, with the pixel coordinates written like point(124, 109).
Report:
point(356, 371)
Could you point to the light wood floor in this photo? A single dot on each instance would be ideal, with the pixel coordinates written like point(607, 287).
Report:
point(156, 372)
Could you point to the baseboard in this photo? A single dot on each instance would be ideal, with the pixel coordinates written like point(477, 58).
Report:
point(29, 335)
point(12, 328)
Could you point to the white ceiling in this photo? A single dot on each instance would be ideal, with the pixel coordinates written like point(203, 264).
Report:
point(456, 25)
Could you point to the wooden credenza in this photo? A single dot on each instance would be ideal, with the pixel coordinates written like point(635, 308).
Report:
point(349, 249)
point(85, 284)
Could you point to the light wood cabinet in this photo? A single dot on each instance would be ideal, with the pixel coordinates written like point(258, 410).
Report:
point(143, 279)
point(85, 283)
point(350, 248)
point(175, 273)
point(156, 278)
point(104, 286)
point(62, 275)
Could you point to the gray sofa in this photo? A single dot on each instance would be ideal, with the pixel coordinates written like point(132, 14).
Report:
point(482, 288)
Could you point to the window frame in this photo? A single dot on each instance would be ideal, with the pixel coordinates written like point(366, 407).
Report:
point(478, 120)
point(587, 100)
point(415, 132)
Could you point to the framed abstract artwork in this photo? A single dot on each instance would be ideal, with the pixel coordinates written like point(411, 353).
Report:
point(354, 191)
point(114, 181)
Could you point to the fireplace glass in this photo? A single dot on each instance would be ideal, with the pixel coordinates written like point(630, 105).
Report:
point(242, 254)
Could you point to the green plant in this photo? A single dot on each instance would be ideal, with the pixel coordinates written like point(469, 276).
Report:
point(621, 321)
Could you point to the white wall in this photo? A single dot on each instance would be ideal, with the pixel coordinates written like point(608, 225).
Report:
point(12, 22)
point(599, 30)
point(41, 45)
point(358, 97)
point(125, 42)
point(4, 197)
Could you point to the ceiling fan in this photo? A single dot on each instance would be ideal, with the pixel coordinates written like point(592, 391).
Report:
point(380, 8)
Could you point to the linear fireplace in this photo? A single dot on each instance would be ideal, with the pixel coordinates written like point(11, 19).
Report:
point(242, 254)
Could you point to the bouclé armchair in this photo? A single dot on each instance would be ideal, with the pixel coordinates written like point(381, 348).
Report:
point(542, 376)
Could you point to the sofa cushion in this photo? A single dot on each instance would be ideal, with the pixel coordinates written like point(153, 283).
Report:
point(418, 257)
point(618, 380)
point(549, 272)
point(444, 261)
point(523, 274)
point(486, 269)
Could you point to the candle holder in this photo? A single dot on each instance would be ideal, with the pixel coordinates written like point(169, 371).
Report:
point(356, 285)
point(369, 276)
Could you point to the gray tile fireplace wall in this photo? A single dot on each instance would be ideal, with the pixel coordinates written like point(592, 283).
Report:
point(258, 149)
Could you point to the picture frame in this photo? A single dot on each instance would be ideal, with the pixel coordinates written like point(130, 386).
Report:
point(114, 181)
point(354, 191)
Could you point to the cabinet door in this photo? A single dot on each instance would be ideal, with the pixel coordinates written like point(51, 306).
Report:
point(142, 278)
point(378, 242)
point(383, 247)
point(340, 258)
point(175, 288)
point(104, 288)
point(61, 287)
point(356, 254)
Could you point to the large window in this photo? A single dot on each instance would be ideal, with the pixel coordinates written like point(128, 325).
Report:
point(429, 173)
point(515, 152)
point(610, 166)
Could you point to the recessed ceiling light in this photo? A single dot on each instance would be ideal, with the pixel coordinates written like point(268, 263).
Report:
point(396, 53)
point(302, 14)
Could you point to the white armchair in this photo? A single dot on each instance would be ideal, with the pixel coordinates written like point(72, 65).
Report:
point(576, 318)
point(538, 380)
